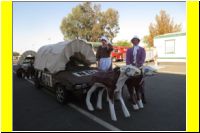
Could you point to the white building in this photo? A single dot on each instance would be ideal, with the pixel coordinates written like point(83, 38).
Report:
point(171, 47)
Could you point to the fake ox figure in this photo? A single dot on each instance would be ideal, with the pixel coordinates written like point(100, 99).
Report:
point(135, 86)
point(113, 82)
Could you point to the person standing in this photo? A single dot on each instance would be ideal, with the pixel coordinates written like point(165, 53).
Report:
point(103, 55)
point(136, 57)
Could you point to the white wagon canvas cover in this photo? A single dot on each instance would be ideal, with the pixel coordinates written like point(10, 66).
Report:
point(26, 54)
point(55, 56)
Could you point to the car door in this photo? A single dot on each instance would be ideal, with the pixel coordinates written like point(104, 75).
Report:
point(47, 79)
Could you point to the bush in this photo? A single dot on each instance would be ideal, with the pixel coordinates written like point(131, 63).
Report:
point(122, 43)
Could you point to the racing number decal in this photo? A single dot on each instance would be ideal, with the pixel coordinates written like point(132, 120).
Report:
point(47, 79)
point(85, 73)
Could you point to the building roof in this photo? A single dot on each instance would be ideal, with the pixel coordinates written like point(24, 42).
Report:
point(171, 35)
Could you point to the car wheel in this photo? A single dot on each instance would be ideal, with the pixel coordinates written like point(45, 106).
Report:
point(61, 94)
point(19, 73)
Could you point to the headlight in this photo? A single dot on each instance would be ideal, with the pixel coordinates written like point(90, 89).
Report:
point(77, 87)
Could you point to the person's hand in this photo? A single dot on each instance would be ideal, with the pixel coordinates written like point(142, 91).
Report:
point(107, 46)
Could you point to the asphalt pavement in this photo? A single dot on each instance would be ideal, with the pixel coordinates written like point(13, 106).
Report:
point(37, 110)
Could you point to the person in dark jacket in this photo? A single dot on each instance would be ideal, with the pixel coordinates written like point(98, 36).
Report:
point(103, 55)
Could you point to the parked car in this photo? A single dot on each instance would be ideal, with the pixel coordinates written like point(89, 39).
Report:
point(119, 53)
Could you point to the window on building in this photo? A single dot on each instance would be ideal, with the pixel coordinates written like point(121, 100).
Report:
point(170, 46)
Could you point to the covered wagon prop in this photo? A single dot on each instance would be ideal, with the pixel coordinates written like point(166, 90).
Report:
point(25, 64)
point(55, 57)
point(65, 67)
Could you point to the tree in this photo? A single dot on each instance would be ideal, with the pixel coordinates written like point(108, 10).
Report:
point(15, 53)
point(86, 21)
point(78, 23)
point(110, 23)
point(164, 24)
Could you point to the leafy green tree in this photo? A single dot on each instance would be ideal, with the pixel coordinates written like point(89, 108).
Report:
point(110, 23)
point(86, 21)
point(123, 43)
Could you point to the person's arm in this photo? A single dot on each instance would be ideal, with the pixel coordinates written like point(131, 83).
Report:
point(109, 47)
point(142, 59)
point(128, 57)
point(98, 54)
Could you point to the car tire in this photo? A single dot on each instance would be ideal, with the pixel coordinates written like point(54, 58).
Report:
point(61, 94)
point(19, 73)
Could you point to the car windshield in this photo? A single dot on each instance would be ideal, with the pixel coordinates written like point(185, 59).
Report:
point(28, 60)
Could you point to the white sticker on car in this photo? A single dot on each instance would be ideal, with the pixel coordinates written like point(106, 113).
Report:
point(84, 73)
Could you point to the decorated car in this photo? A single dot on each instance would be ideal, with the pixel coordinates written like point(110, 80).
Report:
point(65, 67)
